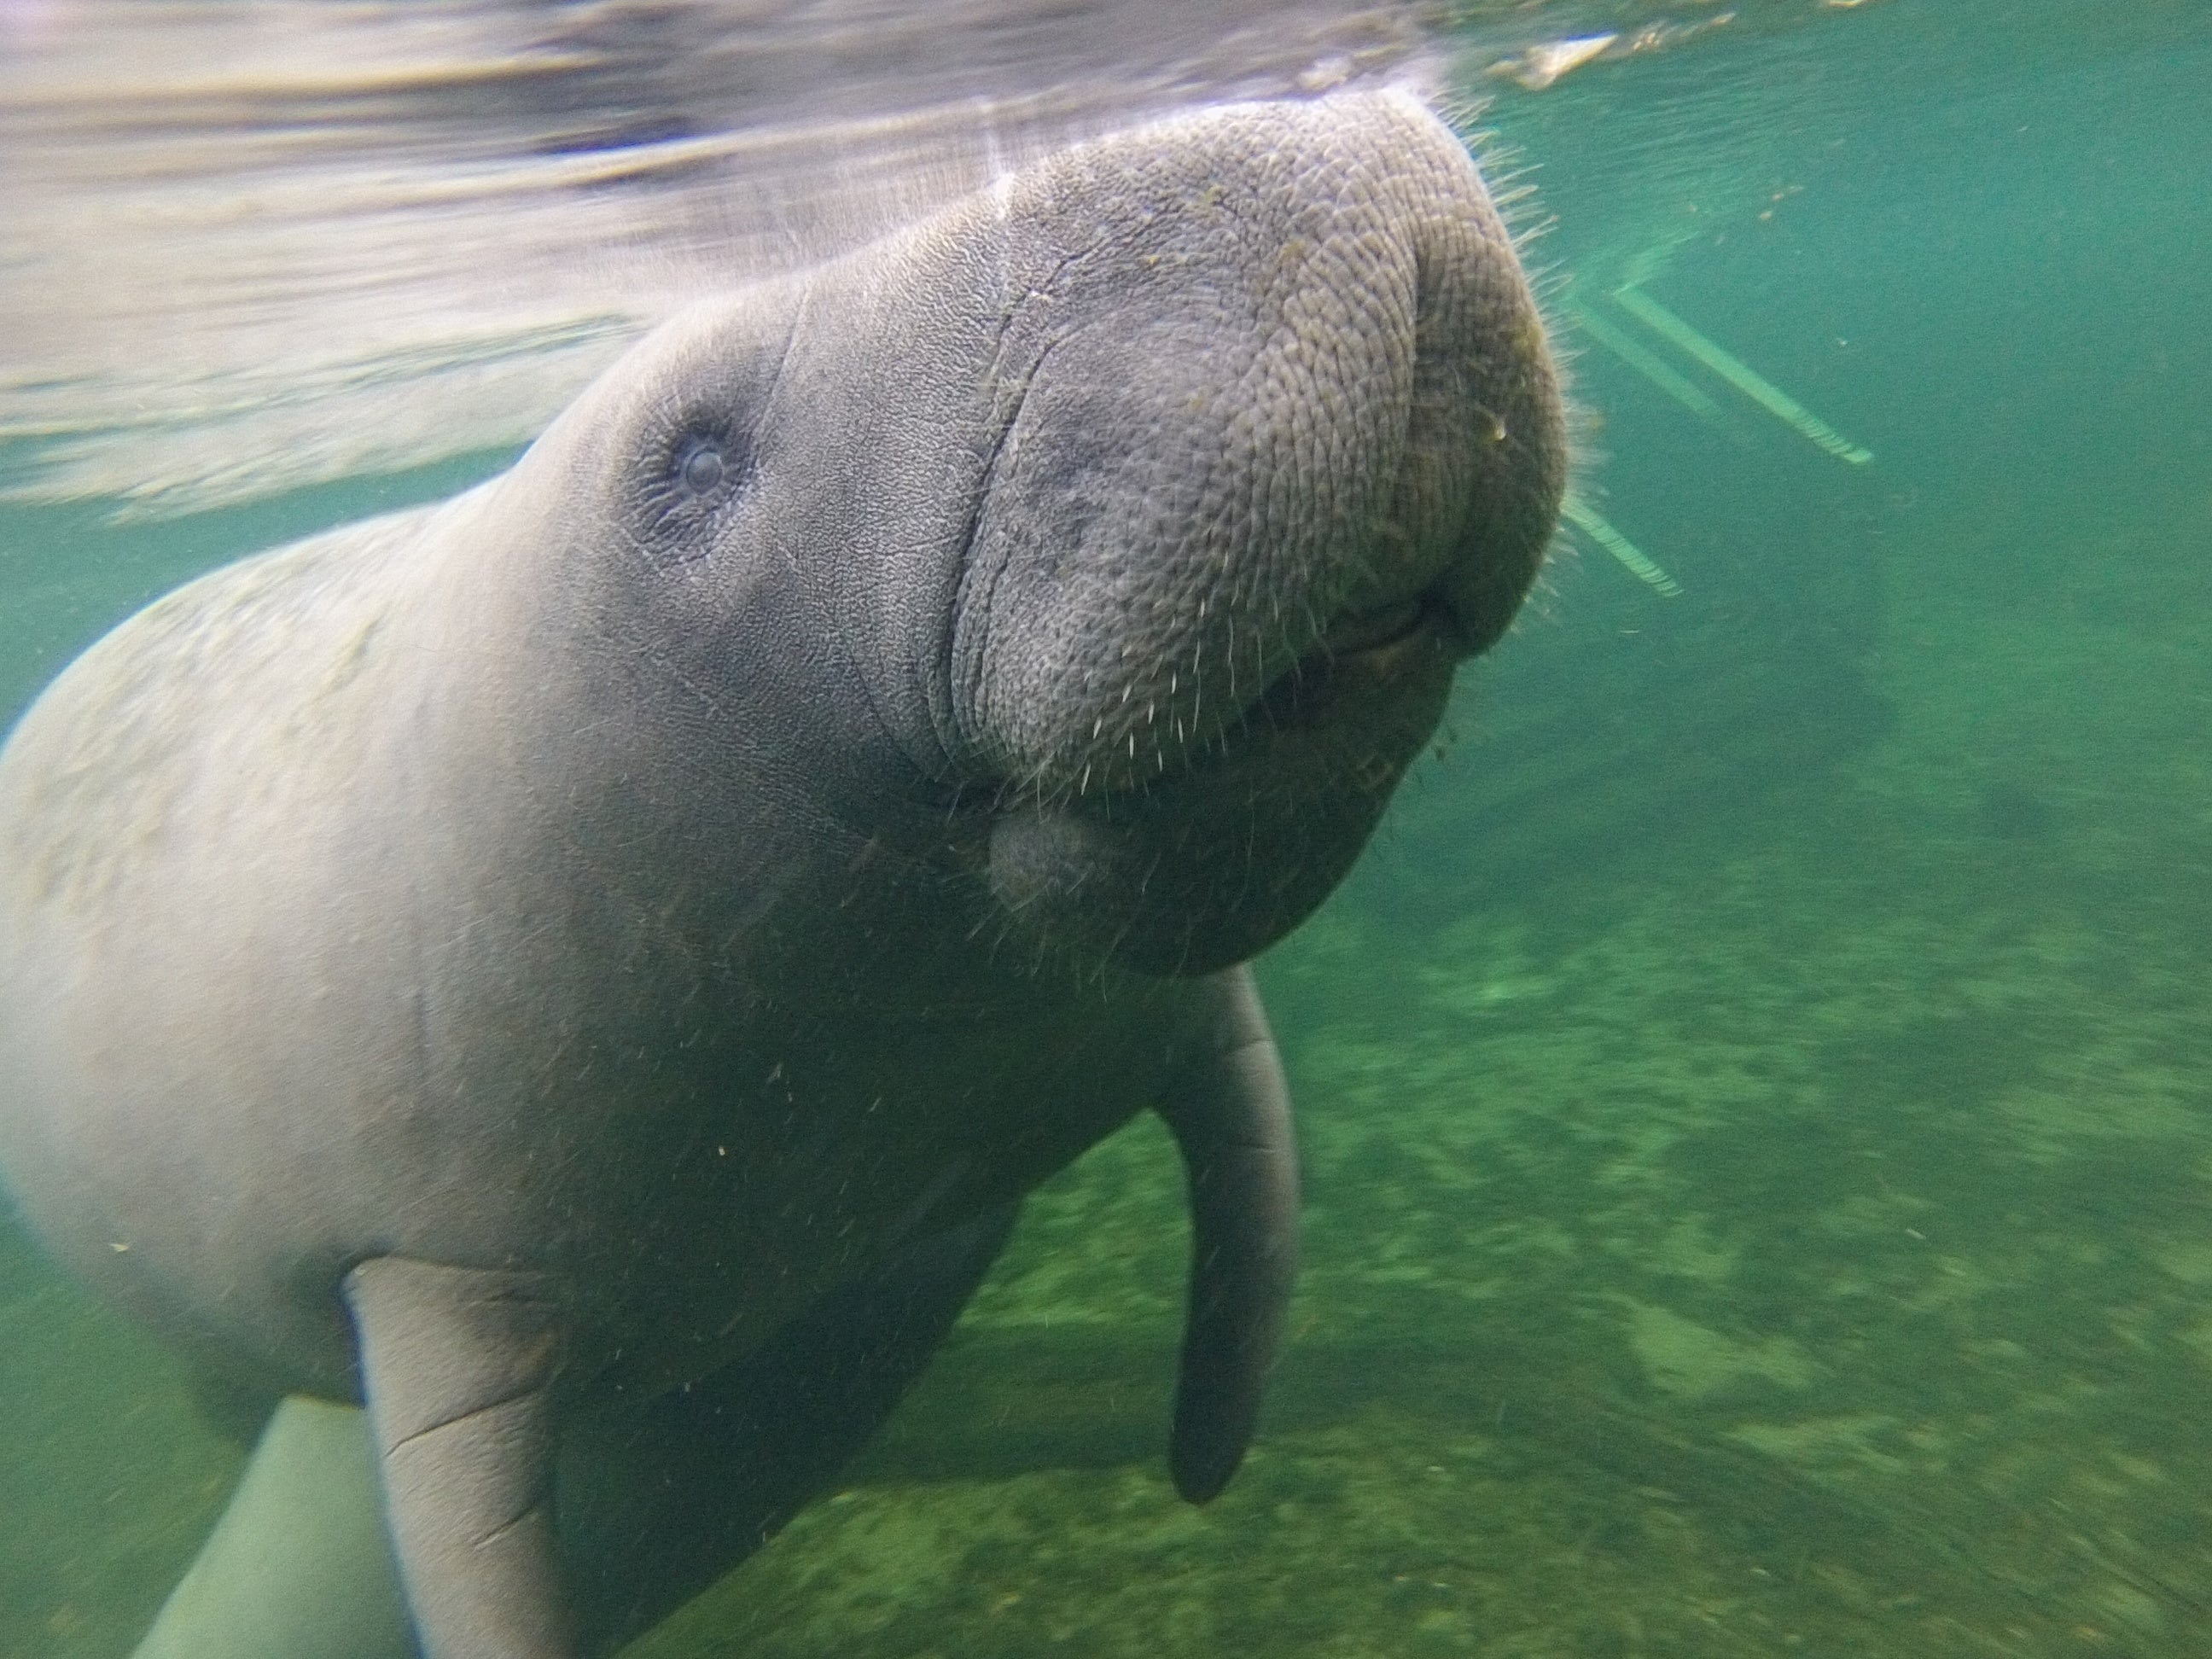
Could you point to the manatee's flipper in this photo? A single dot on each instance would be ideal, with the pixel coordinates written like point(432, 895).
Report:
point(654, 1502)
point(457, 1367)
point(298, 1567)
point(1231, 1114)
point(658, 1502)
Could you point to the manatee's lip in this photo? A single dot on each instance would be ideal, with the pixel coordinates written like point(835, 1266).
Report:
point(1370, 645)
point(1369, 630)
point(1373, 633)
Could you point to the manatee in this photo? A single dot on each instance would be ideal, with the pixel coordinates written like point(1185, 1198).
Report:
point(615, 936)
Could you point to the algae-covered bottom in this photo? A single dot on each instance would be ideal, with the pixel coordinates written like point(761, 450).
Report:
point(1791, 1233)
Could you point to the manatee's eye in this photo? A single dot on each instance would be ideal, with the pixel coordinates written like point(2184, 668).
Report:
point(700, 463)
point(701, 466)
point(694, 477)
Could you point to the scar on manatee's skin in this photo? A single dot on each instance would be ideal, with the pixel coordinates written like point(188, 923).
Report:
point(588, 970)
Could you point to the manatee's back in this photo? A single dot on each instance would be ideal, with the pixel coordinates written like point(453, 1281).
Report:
point(150, 803)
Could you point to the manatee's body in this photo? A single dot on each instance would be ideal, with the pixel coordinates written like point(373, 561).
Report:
point(507, 961)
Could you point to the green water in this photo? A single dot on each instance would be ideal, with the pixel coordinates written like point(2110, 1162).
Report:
point(1756, 1094)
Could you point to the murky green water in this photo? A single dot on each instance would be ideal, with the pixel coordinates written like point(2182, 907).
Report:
point(1756, 1094)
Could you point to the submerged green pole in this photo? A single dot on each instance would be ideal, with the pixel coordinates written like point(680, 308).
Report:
point(1579, 513)
point(1738, 374)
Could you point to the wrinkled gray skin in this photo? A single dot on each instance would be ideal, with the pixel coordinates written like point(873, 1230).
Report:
point(507, 961)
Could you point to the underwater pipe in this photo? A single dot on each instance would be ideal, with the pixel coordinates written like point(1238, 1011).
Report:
point(1647, 364)
point(1738, 374)
point(1579, 513)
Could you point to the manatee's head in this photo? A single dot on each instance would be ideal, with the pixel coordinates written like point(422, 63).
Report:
point(1130, 520)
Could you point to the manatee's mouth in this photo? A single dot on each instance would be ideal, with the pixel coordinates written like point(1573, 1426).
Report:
point(1428, 615)
point(1376, 629)
point(1208, 861)
point(1366, 647)
point(1367, 653)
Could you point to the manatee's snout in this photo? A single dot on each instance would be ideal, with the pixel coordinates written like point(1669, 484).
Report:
point(1283, 392)
point(1284, 447)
